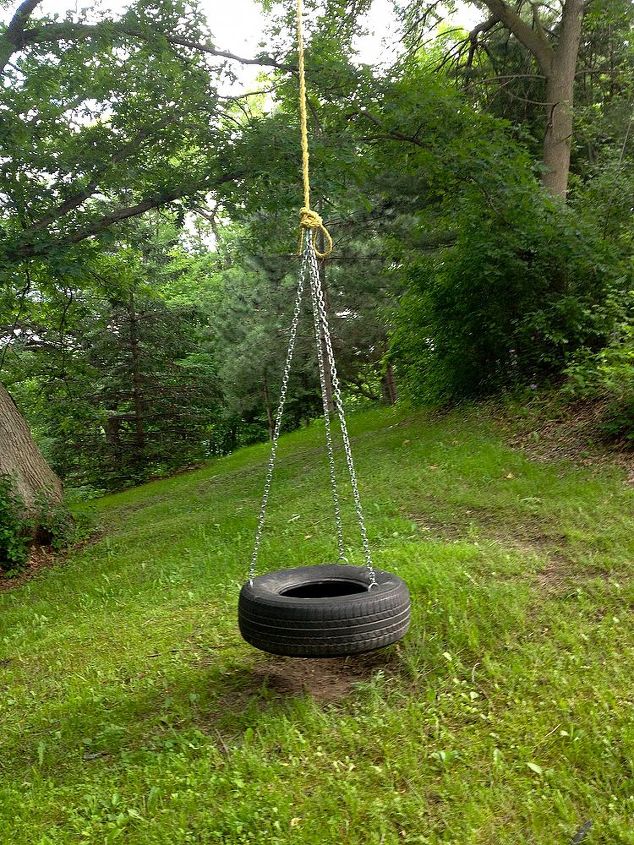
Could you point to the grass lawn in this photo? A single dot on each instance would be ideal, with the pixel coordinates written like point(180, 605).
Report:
point(131, 711)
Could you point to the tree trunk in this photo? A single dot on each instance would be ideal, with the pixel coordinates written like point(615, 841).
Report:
point(112, 429)
point(21, 459)
point(137, 386)
point(559, 98)
point(388, 386)
point(269, 412)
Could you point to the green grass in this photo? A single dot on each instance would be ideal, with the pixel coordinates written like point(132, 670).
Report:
point(131, 711)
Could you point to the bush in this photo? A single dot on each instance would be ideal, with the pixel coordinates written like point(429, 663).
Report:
point(508, 304)
point(53, 525)
point(609, 374)
point(14, 529)
point(47, 525)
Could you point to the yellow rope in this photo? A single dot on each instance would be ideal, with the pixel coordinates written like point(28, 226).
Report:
point(308, 219)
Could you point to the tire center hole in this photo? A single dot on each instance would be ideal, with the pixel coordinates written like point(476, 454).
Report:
point(325, 589)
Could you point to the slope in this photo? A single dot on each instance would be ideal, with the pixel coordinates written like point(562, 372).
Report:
point(131, 711)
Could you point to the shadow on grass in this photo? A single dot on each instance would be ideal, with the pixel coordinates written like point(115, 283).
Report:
point(219, 696)
point(325, 680)
point(271, 684)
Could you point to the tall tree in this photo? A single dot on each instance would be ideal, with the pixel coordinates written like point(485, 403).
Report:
point(552, 35)
point(21, 459)
point(101, 122)
point(121, 383)
point(555, 52)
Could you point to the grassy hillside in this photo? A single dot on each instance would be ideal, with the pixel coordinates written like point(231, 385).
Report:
point(131, 711)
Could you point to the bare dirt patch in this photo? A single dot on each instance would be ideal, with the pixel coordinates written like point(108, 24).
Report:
point(556, 574)
point(272, 679)
point(532, 537)
point(552, 431)
point(270, 682)
point(326, 680)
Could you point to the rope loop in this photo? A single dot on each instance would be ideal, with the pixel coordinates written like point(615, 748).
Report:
point(309, 219)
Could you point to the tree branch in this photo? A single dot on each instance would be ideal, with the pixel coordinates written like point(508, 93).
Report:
point(537, 23)
point(32, 249)
point(389, 134)
point(77, 199)
point(530, 38)
point(12, 38)
point(21, 300)
point(474, 36)
point(77, 31)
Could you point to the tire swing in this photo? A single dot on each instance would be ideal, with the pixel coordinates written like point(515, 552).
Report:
point(324, 610)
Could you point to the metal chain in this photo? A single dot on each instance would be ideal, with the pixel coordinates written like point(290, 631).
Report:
point(308, 248)
point(320, 319)
point(278, 417)
point(318, 297)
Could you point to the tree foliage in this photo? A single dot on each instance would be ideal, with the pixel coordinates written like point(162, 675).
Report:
point(148, 225)
point(13, 540)
point(126, 384)
point(507, 304)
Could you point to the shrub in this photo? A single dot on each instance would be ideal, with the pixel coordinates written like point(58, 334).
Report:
point(14, 529)
point(609, 374)
point(52, 525)
point(507, 304)
point(46, 525)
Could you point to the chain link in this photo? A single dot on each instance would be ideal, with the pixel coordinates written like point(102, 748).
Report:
point(308, 248)
point(318, 296)
point(278, 416)
point(322, 332)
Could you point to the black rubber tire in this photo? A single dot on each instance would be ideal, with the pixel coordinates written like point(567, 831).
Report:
point(333, 626)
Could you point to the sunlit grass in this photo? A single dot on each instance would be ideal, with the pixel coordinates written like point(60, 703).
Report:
point(131, 711)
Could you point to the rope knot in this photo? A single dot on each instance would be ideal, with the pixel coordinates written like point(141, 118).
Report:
point(309, 219)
